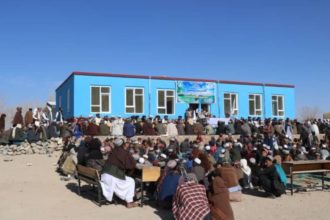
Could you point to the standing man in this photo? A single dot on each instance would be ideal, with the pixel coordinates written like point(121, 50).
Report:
point(18, 118)
point(2, 122)
point(28, 118)
point(59, 115)
point(49, 112)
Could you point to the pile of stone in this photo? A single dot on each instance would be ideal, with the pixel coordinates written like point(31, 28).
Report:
point(46, 147)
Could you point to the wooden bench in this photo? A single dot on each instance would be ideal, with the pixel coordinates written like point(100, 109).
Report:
point(149, 174)
point(301, 167)
point(92, 177)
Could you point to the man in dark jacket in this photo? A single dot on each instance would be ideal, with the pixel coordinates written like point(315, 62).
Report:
point(128, 129)
point(2, 122)
point(28, 119)
point(148, 128)
point(92, 129)
point(269, 179)
point(104, 129)
point(18, 118)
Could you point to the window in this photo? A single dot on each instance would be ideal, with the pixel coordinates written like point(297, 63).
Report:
point(68, 100)
point(100, 99)
point(255, 106)
point(231, 103)
point(165, 101)
point(278, 105)
point(134, 100)
point(60, 101)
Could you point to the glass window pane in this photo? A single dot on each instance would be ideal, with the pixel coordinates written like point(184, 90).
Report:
point(251, 108)
point(281, 113)
point(130, 110)
point(105, 89)
point(274, 98)
point(161, 101)
point(139, 91)
point(169, 93)
point(138, 104)
point(95, 95)
point(258, 112)
point(234, 101)
point(226, 96)
point(161, 111)
point(95, 109)
point(274, 107)
point(251, 96)
point(280, 103)
point(258, 102)
point(129, 97)
point(227, 106)
point(170, 105)
point(235, 112)
point(105, 103)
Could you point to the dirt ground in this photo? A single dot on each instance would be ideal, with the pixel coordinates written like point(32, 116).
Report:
point(31, 189)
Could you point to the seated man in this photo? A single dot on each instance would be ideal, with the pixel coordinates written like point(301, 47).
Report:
point(219, 199)
point(270, 180)
point(114, 178)
point(190, 201)
point(229, 175)
point(169, 184)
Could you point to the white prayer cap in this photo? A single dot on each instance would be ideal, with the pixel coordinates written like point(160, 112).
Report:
point(207, 147)
point(118, 142)
point(197, 160)
point(141, 160)
point(324, 146)
point(223, 151)
point(163, 156)
point(222, 155)
point(145, 156)
point(285, 146)
point(269, 157)
point(171, 164)
point(18, 126)
point(252, 160)
point(170, 150)
point(266, 146)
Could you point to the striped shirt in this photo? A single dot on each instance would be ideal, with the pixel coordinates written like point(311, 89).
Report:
point(190, 202)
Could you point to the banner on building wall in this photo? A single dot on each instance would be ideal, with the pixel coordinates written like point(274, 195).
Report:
point(195, 92)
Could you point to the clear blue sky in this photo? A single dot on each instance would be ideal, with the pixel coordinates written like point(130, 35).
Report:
point(276, 41)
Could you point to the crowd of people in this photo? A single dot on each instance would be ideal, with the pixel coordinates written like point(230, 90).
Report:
point(199, 177)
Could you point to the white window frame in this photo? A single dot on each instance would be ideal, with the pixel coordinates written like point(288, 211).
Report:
point(68, 100)
point(230, 99)
point(278, 110)
point(255, 104)
point(165, 96)
point(134, 94)
point(101, 93)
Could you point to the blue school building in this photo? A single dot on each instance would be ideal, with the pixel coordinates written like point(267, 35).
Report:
point(86, 94)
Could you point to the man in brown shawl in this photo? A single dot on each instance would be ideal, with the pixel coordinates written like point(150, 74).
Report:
point(114, 177)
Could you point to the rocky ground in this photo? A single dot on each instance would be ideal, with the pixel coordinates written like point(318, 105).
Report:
point(46, 147)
